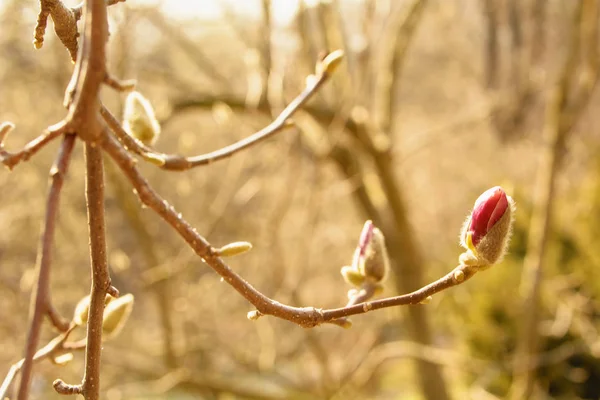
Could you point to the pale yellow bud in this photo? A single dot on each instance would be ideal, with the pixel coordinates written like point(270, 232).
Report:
point(352, 276)
point(139, 119)
point(233, 249)
point(332, 61)
point(63, 359)
point(116, 315)
point(80, 316)
point(82, 309)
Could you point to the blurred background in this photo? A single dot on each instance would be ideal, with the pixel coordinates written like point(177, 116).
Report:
point(436, 101)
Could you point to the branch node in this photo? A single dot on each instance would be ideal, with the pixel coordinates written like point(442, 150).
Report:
point(65, 389)
point(113, 291)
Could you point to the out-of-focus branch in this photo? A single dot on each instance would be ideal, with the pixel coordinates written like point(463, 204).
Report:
point(190, 48)
point(161, 288)
point(491, 43)
point(559, 119)
point(397, 39)
point(41, 302)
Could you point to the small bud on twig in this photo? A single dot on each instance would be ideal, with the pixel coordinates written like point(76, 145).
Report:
point(139, 119)
point(80, 316)
point(234, 249)
point(486, 231)
point(63, 359)
point(370, 265)
point(116, 315)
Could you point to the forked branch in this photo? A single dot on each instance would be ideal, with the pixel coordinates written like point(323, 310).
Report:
point(304, 316)
point(12, 159)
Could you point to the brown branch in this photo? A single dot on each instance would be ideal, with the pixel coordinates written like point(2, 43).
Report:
point(94, 190)
point(303, 316)
point(41, 302)
point(178, 163)
point(83, 93)
point(79, 8)
point(120, 85)
point(65, 25)
point(12, 159)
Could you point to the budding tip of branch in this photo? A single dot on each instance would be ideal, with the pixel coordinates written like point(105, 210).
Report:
point(486, 232)
point(331, 61)
point(37, 44)
point(5, 128)
point(426, 300)
point(139, 120)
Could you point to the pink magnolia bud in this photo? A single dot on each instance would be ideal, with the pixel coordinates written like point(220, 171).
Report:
point(370, 262)
point(486, 232)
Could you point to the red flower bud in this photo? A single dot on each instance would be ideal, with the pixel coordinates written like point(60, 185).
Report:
point(486, 232)
point(489, 208)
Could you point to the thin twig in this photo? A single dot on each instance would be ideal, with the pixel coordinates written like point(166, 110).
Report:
point(179, 163)
point(303, 316)
point(54, 348)
point(120, 85)
point(41, 301)
point(12, 159)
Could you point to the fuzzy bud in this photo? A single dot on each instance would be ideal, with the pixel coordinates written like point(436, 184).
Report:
point(82, 309)
point(370, 261)
point(330, 62)
point(486, 231)
point(139, 119)
point(116, 315)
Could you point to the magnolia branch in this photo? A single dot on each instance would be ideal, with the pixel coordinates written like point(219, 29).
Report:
point(178, 163)
point(65, 23)
point(303, 316)
point(54, 350)
point(12, 159)
point(41, 301)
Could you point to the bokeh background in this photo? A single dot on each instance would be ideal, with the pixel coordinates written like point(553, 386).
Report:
point(436, 101)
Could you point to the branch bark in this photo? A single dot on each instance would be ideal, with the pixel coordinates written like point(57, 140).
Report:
point(40, 301)
point(94, 190)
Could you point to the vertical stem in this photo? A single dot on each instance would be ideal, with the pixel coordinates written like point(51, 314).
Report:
point(94, 193)
point(41, 296)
